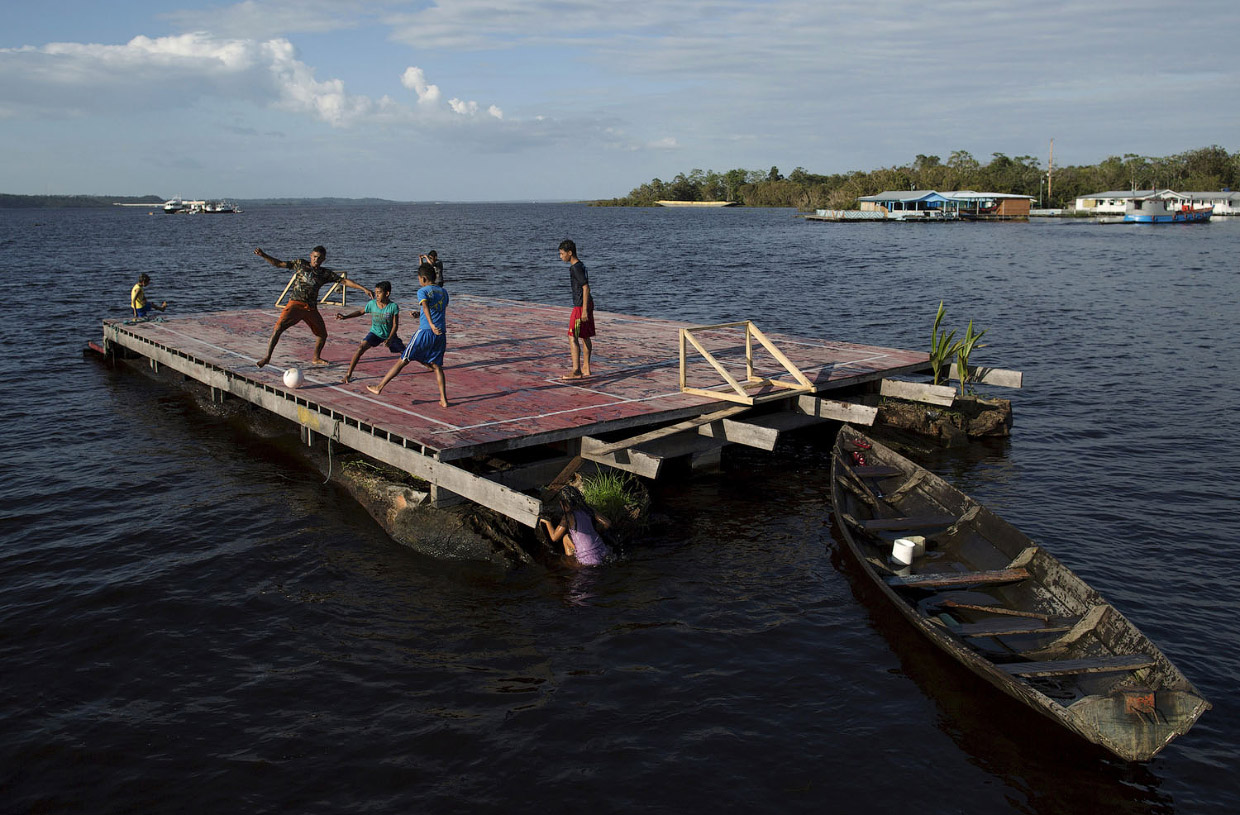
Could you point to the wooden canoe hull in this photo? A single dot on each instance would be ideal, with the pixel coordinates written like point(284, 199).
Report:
point(1001, 605)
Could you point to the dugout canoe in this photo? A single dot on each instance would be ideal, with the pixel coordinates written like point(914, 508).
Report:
point(1001, 605)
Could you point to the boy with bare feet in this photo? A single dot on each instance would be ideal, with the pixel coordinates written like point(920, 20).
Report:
point(428, 345)
point(303, 298)
point(384, 325)
point(581, 321)
point(137, 299)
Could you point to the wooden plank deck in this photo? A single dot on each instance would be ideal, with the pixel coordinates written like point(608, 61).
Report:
point(503, 366)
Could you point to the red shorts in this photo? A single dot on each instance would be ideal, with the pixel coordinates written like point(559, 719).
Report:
point(297, 311)
point(581, 326)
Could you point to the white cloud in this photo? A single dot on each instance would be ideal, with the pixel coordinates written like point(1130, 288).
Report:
point(415, 80)
point(62, 79)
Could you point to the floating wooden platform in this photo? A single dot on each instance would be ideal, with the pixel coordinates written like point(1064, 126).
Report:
point(504, 365)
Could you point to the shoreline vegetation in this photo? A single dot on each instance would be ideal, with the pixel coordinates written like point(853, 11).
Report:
point(1207, 168)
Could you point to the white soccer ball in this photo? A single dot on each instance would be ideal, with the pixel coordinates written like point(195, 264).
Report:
point(294, 378)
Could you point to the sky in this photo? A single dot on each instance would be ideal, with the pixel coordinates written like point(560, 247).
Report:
point(500, 100)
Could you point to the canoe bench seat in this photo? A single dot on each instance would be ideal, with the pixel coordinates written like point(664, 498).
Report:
point(1010, 626)
point(876, 470)
point(912, 522)
point(938, 579)
point(1061, 667)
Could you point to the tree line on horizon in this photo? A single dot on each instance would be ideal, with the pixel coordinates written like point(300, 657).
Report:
point(1207, 168)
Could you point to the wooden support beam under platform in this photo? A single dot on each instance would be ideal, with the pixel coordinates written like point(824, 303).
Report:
point(942, 395)
point(504, 367)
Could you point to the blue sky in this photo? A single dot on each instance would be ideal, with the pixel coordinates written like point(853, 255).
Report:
point(568, 99)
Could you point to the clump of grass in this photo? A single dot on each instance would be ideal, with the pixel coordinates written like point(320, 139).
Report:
point(609, 493)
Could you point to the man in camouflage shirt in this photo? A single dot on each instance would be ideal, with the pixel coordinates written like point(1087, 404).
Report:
point(303, 293)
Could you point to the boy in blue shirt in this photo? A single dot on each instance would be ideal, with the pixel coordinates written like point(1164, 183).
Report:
point(429, 343)
point(384, 325)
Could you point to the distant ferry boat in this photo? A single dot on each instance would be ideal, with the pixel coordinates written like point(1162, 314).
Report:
point(1153, 210)
point(703, 204)
point(176, 206)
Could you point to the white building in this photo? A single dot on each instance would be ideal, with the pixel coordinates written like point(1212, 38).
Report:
point(1113, 202)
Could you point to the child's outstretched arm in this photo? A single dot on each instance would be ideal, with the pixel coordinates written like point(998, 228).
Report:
point(344, 278)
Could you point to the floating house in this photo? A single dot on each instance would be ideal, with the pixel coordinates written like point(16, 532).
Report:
point(1116, 202)
point(989, 206)
point(931, 205)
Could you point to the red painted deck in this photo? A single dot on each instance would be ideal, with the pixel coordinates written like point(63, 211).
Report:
point(503, 367)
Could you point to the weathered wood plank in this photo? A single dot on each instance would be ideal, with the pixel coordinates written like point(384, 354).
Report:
point(940, 579)
point(566, 474)
point(990, 376)
point(688, 424)
point(638, 462)
point(942, 395)
point(1062, 667)
point(751, 434)
point(919, 522)
point(1009, 626)
point(836, 410)
point(995, 610)
point(875, 471)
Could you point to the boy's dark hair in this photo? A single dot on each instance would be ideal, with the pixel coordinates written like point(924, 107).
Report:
point(144, 278)
point(426, 272)
point(569, 246)
point(384, 285)
point(432, 254)
point(322, 251)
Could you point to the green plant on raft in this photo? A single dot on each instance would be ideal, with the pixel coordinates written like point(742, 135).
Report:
point(607, 492)
point(964, 348)
point(942, 346)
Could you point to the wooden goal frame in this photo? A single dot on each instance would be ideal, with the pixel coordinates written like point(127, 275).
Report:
point(740, 393)
point(326, 298)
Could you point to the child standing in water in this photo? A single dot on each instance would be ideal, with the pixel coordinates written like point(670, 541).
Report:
point(577, 530)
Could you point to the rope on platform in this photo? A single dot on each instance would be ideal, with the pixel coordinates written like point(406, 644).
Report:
point(335, 434)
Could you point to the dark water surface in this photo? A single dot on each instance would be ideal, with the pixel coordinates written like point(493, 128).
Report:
point(190, 621)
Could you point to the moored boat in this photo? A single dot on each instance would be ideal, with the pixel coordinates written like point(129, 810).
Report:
point(178, 205)
point(1157, 210)
point(997, 602)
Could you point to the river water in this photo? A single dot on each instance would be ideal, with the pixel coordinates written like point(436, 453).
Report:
point(191, 621)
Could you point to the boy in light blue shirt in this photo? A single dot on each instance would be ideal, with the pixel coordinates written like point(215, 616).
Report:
point(431, 340)
point(384, 325)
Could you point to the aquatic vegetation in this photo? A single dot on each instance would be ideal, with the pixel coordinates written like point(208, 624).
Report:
point(942, 346)
point(964, 348)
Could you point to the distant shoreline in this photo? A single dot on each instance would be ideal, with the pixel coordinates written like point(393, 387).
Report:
point(8, 201)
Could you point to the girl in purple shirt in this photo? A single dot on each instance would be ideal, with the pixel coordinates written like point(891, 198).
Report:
point(577, 531)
